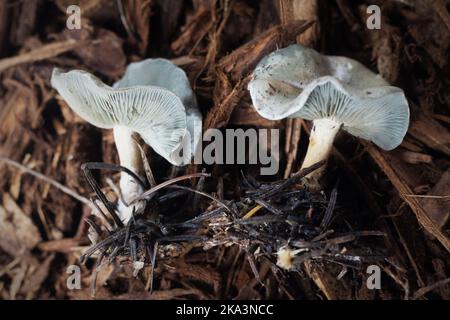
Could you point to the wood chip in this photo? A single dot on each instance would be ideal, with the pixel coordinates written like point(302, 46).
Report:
point(438, 209)
point(17, 231)
point(386, 164)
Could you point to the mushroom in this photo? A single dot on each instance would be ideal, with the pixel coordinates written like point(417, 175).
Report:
point(153, 99)
point(334, 92)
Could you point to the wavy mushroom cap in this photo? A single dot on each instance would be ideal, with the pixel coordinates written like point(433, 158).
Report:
point(156, 113)
point(164, 74)
point(299, 82)
point(159, 73)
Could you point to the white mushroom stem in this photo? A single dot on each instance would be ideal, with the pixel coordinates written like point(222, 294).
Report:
point(130, 157)
point(129, 154)
point(320, 143)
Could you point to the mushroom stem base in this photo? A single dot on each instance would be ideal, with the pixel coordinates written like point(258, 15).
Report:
point(320, 143)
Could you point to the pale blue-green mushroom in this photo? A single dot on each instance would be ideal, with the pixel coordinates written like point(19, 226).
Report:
point(333, 92)
point(153, 99)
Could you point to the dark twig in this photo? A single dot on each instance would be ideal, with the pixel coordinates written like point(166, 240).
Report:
point(148, 193)
point(108, 205)
point(291, 180)
point(330, 208)
point(203, 194)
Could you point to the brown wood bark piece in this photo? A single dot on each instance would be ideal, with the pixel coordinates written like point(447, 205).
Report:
point(45, 52)
point(395, 176)
point(324, 280)
point(431, 133)
point(17, 231)
point(293, 10)
point(438, 209)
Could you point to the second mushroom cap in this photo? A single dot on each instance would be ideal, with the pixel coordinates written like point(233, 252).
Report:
point(299, 82)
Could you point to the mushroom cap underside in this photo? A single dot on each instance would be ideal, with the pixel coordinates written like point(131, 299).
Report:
point(298, 82)
point(156, 114)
